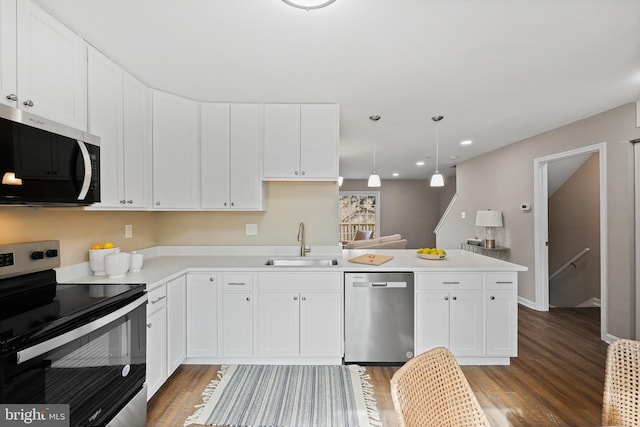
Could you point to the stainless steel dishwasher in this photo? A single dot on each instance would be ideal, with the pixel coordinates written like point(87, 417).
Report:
point(378, 318)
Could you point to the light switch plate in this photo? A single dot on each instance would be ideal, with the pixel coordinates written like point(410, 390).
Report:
point(251, 229)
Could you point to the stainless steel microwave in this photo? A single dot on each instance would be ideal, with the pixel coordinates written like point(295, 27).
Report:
point(46, 163)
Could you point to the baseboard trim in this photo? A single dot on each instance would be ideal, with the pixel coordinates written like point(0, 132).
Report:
point(530, 304)
point(591, 302)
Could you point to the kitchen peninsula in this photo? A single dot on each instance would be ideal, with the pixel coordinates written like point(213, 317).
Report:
point(225, 305)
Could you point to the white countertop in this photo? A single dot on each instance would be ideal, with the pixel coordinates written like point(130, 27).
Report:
point(163, 264)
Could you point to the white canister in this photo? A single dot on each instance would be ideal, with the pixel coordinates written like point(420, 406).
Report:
point(136, 261)
point(96, 259)
point(116, 264)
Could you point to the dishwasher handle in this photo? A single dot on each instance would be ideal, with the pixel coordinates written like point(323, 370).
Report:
point(379, 284)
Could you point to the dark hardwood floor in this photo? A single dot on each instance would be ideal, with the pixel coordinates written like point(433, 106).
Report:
point(557, 379)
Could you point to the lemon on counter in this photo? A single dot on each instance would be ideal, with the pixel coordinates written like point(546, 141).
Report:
point(96, 246)
point(108, 245)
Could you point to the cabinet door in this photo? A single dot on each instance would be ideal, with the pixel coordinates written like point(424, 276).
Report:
point(202, 315)
point(432, 320)
point(278, 324)
point(466, 333)
point(105, 121)
point(281, 135)
point(236, 325)
point(136, 158)
point(502, 323)
point(8, 58)
point(175, 152)
point(245, 174)
point(215, 121)
point(321, 324)
point(176, 323)
point(319, 141)
point(156, 340)
point(52, 68)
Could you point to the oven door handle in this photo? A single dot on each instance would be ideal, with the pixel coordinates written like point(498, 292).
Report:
point(46, 346)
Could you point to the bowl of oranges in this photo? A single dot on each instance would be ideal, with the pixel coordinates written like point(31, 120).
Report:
point(431, 253)
point(97, 252)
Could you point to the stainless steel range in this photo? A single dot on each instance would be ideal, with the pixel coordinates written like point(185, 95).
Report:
point(78, 345)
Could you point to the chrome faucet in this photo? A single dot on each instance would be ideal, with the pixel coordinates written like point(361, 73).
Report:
point(301, 239)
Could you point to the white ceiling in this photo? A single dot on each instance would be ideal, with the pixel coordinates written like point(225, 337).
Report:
point(498, 70)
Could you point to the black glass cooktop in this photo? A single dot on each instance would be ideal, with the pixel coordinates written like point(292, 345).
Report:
point(34, 307)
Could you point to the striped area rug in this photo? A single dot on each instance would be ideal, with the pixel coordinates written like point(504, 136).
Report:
point(288, 396)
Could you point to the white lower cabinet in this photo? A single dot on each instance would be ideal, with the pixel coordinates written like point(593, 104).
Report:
point(472, 314)
point(501, 308)
point(235, 327)
point(166, 327)
point(176, 323)
point(299, 315)
point(156, 340)
point(202, 315)
point(449, 313)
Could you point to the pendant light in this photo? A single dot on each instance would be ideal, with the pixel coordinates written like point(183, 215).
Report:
point(436, 179)
point(374, 179)
point(309, 4)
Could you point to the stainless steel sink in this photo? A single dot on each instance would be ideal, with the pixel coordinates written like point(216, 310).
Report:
point(302, 262)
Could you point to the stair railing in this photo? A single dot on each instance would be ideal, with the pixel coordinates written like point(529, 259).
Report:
point(570, 262)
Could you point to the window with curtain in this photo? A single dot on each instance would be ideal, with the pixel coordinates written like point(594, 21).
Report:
point(358, 211)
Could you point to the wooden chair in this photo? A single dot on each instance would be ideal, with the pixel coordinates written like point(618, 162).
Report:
point(620, 405)
point(431, 390)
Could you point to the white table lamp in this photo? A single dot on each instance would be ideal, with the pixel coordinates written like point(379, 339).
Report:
point(489, 219)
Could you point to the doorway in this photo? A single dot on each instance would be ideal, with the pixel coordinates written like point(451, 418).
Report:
point(541, 226)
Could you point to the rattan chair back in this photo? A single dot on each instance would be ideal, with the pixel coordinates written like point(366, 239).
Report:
point(431, 390)
point(620, 404)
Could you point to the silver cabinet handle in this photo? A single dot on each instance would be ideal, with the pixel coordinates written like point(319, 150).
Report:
point(233, 204)
point(450, 283)
point(304, 173)
point(158, 299)
point(122, 202)
point(12, 97)
point(446, 298)
point(492, 297)
point(149, 325)
point(295, 298)
point(504, 283)
point(303, 298)
point(236, 284)
point(454, 298)
point(130, 202)
point(211, 279)
point(248, 298)
point(28, 103)
point(157, 203)
point(296, 172)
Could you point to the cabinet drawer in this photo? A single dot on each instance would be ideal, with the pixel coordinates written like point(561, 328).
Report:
point(157, 298)
point(237, 282)
point(300, 282)
point(502, 280)
point(448, 281)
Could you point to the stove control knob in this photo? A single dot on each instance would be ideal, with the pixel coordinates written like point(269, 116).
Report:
point(37, 255)
point(51, 253)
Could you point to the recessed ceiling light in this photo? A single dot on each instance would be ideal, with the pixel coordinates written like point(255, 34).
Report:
point(419, 163)
point(466, 142)
point(453, 157)
point(395, 174)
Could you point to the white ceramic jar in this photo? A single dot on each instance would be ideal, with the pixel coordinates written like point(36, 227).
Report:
point(116, 264)
point(136, 261)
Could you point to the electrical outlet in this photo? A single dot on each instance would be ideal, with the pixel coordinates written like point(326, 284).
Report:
point(251, 229)
point(128, 231)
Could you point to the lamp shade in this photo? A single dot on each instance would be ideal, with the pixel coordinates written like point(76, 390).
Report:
point(374, 180)
point(436, 180)
point(489, 218)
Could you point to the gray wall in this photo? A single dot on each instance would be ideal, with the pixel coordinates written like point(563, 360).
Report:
point(574, 224)
point(408, 207)
point(503, 179)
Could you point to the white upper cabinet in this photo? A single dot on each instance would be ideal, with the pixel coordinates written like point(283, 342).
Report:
point(230, 157)
point(51, 68)
point(8, 56)
point(300, 142)
point(119, 114)
point(175, 152)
